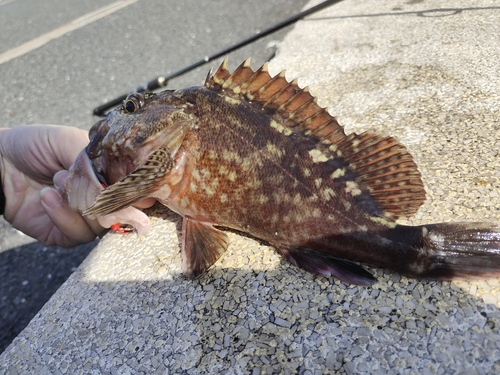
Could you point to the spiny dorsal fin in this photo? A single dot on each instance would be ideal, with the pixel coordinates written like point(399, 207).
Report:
point(293, 106)
point(386, 169)
point(383, 166)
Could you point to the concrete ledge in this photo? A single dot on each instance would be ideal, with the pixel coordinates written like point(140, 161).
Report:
point(425, 75)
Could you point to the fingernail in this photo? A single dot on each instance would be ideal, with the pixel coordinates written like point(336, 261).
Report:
point(50, 197)
point(60, 178)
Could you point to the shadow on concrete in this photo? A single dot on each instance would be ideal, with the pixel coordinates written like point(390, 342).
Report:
point(232, 319)
point(30, 274)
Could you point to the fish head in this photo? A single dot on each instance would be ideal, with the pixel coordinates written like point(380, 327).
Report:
point(144, 123)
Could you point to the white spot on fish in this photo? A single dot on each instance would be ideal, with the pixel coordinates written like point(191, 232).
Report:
point(383, 221)
point(327, 194)
point(212, 155)
point(436, 238)
point(352, 188)
point(313, 198)
point(317, 156)
point(222, 170)
point(206, 174)
point(280, 128)
point(196, 175)
point(193, 187)
point(274, 150)
point(185, 202)
point(231, 100)
point(229, 156)
point(298, 219)
point(417, 268)
point(338, 173)
point(231, 176)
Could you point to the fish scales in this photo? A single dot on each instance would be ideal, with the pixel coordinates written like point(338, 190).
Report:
point(255, 153)
point(271, 181)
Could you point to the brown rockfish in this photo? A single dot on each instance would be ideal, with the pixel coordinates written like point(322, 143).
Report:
point(256, 154)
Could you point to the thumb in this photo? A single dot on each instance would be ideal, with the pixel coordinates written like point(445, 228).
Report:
point(73, 227)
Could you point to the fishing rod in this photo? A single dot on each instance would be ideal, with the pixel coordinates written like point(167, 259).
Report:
point(162, 81)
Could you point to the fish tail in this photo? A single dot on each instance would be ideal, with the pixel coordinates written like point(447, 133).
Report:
point(457, 250)
point(442, 251)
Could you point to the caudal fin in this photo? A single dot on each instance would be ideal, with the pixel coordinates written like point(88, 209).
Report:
point(458, 250)
point(442, 251)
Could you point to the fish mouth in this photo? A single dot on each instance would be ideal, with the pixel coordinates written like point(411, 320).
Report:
point(109, 173)
point(110, 169)
point(97, 168)
point(100, 176)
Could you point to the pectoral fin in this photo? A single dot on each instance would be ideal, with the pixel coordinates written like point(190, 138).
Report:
point(132, 188)
point(202, 245)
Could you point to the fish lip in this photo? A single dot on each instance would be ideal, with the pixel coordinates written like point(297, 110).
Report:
point(96, 171)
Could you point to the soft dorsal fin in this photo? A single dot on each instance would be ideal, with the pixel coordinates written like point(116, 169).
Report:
point(386, 169)
point(382, 165)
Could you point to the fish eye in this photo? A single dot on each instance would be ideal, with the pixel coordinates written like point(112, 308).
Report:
point(133, 103)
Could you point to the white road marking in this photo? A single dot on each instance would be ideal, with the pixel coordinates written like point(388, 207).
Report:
point(4, 2)
point(60, 31)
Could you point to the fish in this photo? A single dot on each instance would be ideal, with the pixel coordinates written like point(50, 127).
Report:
point(255, 153)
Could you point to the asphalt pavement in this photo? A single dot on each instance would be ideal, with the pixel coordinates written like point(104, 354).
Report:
point(90, 52)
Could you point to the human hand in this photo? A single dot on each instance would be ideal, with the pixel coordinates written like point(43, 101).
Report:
point(30, 156)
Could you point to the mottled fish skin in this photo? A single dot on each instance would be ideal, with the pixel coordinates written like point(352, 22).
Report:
point(255, 153)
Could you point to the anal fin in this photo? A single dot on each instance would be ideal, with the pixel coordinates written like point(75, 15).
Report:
point(328, 266)
point(202, 245)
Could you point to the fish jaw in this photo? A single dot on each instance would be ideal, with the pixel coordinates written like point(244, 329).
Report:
point(81, 188)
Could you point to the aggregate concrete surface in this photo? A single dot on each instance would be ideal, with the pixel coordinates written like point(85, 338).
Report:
point(420, 71)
